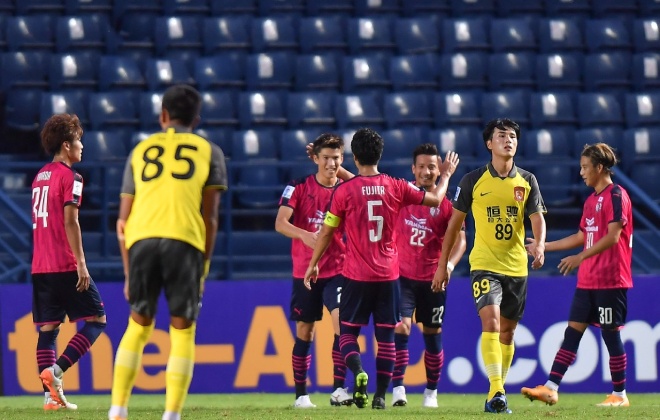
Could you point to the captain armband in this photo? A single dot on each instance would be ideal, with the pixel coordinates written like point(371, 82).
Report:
point(332, 220)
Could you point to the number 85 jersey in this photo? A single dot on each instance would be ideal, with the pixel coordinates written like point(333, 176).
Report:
point(167, 173)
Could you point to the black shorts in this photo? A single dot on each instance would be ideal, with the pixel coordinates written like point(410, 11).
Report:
point(361, 299)
point(175, 266)
point(307, 305)
point(509, 293)
point(417, 297)
point(54, 295)
point(606, 308)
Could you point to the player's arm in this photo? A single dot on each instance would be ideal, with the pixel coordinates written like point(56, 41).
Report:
point(344, 174)
point(286, 228)
point(569, 242)
point(323, 240)
point(457, 251)
point(434, 197)
point(568, 264)
point(125, 207)
point(210, 207)
point(537, 247)
point(74, 237)
point(441, 277)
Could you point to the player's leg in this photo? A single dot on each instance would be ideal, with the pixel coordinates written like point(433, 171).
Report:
point(431, 312)
point(613, 310)
point(514, 299)
point(407, 305)
point(331, 298)
point(386, 316)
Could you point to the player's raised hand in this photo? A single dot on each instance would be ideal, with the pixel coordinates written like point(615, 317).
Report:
point(311, 275)
point(450, 163)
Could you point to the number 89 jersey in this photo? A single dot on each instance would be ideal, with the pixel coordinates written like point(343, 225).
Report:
point(167, 173)
point(498, 207)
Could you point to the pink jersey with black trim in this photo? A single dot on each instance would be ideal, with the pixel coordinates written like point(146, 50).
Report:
point(611, 269)
point(55, 186)
point(369, 207)
point(420, 231)
point(309, 201)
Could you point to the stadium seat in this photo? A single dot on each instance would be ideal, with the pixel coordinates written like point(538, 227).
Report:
point(178, 37)
point(472, 7)
point(554, 109)
point(606, 35)
point(607, 72)
point(556, 183)
point(104, 145)
point(640, 145)
point(124, 8)
point(364, 73)
point(367, 35)
point(226, 33)
point(234, 7)
point(292, 145)
point(612, 135)
point(151, 105)
point(577, 8)
point(273, 248)
point(511, 71)
point(22, 109)
point(407, 109)
point(274, 33)
point(3, 33)
point(254, 144)
point(511, 35)
point(642, 109)
point(7, 7)
point(316, 72)
point(558, 72)
point(336, 7)
point(463, 71)
point(614, 9)
point(73, 71)
point(413, 72)
point(649, 7)
point(84, 7)
point(546, 143)
point(646, 34)
point(645, 71)
point(196, 8)
point(220, 71)
point(118, 72)
point(378, 7)
point(400, 143)
point(65, 102)
point(559, 34)
point(456, 108)
point(315, 109)
point(162, 73)
point(113, 110)
point(417, 35)
point(281, 7)
point(221, 136)
point(269, 70)
point(461, 34)
point(25, 33)
point(134, 37)
point(507, 104)
point(82, 33)
point(438, 8)
point(525, 8)
point(599, 109)
point(24, 70)
point(358, 110)
point(323, 34)
point(461, 140)
point(39, 7)
point(646, 176)
point(261, 109)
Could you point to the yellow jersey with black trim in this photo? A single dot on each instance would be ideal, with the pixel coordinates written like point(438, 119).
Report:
point(498, 206)
point(167, 173)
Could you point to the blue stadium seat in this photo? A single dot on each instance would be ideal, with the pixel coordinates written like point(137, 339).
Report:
point(196, 8)
point(511, 71)
point(73, 71)
point(614, 9)
point(463, 71)
point(646, 71)
point(555, 109)
point(178, 37)
point(526, 8)
point(379, 7)
point(224, 33)
point(640, 145)
point(30, 33)
point(358, 110)
point(646, 176)
point(22, 109)
point(323, 34)
point(234, 7)
point(134, 37)
point(254, 144)
point(577, 8)
point(222, 137)
point(161, 73)
point(558, 34)
point(65, 102)
point(407, 109)
point(220, 71)
point(599, 109)
point(364, 73)
point(558, 72)
point(124, 8)
point(461, 140)
point(118, 72)
point(642, 109)
point(370, 35)
point(456, 108)
point(7, 7)
point(646, 34)
point(292, 145)
point(314, 109)
point(273, 248)
point(274, 33)
point(336, 7)
point(104, 145)
point(82, 33)
point(417, 35)
point(472, 7)
point(413, 72)
point(546, 144)
point(460, 34)
point(281, 7)
point(24, 70)
point(269, 70)
point(262, 181)
point(512, 34)
point(83, 7)
point(113, 110)
point(607, 72)
point(400, 143)
point(261, 109)
point(439, 8)
point(3, 32)
point(151, 105)
point(316, 72)
point(43, 7)
point(606, 35)
point(649, 7)
point(506, 104)
point(556, 183)
point(611, 135)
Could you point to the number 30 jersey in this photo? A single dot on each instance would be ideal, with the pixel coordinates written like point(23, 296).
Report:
point(167, 173)
point(499, 205)
point(55, 186)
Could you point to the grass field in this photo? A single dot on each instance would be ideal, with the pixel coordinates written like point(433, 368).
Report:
point(278, 406)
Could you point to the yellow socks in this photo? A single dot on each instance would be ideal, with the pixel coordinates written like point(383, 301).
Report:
point(507, 358)
point(179, 367)
point(128, 360)
point(492, 356)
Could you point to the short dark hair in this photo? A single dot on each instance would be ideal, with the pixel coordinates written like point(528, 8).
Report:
point(601, 154)
point(425, 149)
point(502, 124)
point(367, 146)
point(328, 140)
point(58, 129)
point(182, 103)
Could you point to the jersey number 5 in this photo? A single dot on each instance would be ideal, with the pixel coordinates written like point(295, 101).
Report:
point(40, 205)
point(151, 160)
point(375, 235)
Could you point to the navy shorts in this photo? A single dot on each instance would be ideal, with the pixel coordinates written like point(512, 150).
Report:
point(509, 293)
point(54, 296)
point(605, 308)
point(157, 264)
point(307, 305)
point(417, 297)
point(361, 299)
